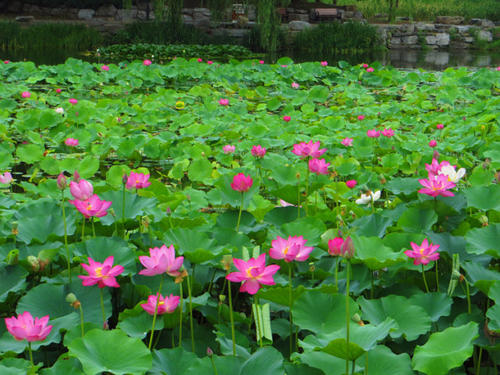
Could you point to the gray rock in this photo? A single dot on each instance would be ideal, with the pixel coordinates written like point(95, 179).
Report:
point(439, 39)
point(86, 14)
point(411, 39)
point(188, 11)
point(358, 15)
point(485, 35)
point(475, 21)
point(298, 25)
point(25, 18)
point(187, 19)
point(126, 14)
point(395, 42)
point(487, 23)
point(108, 10)
point(463, 29)
point(450, 20)
point(437, 57)
point(469, 39)
point(205, 11)
point(425, 26)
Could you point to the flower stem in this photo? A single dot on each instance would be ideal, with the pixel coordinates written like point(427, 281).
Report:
point(213, 365)
point(478, 368)
point(347, 315)
point(31, 354)
point(307, 187)
point(180, 318)
point(123, 209)
point(231, 318)
point(156, 313)
point(81, 320)
point(437, 277)
point(66, 236)
point(366, 363)
point(102, 308)
point(239, 213)
point(298, 199)
point(425, 280)
point(290, 306)
point(83, 228)
point(337, 273)
point(257, 321)
point(468, 296)
point(93, 228)
point(190, 313)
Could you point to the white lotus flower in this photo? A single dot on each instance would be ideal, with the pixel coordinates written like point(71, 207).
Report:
point(452, 174)
point(59, 110)
point(369, 197)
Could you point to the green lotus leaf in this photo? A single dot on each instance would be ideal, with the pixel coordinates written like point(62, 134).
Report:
point(374, 254)
point(435, 304)
point(382, 361)
point(111, 351)
point(372, 225)
point(265, 361)
point(14, 279)
point(135, 205)
point(417, 220)
point(445, 350)
point(484, 240)
point(64, 365)
point(483, 197)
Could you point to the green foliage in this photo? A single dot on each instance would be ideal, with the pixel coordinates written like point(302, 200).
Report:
point(47, 36)
point(330, 39)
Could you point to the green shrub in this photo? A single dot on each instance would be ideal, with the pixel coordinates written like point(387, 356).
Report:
point(330, 39)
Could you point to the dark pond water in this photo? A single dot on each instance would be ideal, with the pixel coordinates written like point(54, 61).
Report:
point(405, 58)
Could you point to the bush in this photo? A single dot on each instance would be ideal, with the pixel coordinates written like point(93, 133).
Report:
point(94, 4)
point(330, 39)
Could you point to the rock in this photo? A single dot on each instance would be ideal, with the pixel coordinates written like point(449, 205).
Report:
point(401, 19)
point(411, 39)
point(358, 15)
point(469, 39)
point(86, 14)
point(425, 26)
point(475, 21)
point(25, 18)
point(204, 11)
point(108, 10)
point(437, 58)
point(487, 23)
point(485, 35)
point(348, 14)
point(463, 29)
point(188, 19)
point(126, 14)
point(188, 11)
point(450, 20)
point(395, 42)
point(298, 25)
point(439, 39)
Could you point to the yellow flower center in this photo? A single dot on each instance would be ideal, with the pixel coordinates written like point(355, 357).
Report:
point(249, 271)
point(89, 207)
point(98, 271)
point(286, 250)
point(161, 303)
point(421, 250)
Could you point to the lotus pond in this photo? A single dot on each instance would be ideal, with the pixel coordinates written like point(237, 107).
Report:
point(248, 218)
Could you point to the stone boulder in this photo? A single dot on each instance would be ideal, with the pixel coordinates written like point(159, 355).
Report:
point(86, 14)
point(439, 39)
point(450, 20)
point(25, 18)
point(298, 25)
point(126, 14)
point(485, 35)
point(487, 23)
point(108, 10)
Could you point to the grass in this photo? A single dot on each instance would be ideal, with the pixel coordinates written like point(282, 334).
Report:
point(427, 10)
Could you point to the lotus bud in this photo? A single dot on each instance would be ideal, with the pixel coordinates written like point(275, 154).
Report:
point(222, 298)
point(348, 248)
point(169, 211)
point(210, 352)
point(34, 263)
point(226, 261)
point(356, 318)
point(12, 257)
point(297, 176)
point(61, 181)
point(76, 176)
point(71, 298)
point(484, 220)
point(124, 178)
point(312, 267)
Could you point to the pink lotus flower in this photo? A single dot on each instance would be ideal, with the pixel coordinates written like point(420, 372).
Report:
point(347, 142)
point(105, 68)
point(210, 62)
point(25, 328)
point(437, 185)
point(361, 117)
point(224, 102)
point(102, 274)
point(6, 62)
point(253, 273)
point(439, 126)
point(137, 181)
point(388, 132)
point(258, 151)
point(433, 143)
point(241, 182)
point(290, 249)
point(295, 85)
point(318, 166)
point(92, 206)
point(369, 70)
point(71, 142)
point(166, 305)
point(228, 149)
point(372, 133)
point(81, 190)
point(261, 62)
point(5, 178)
point(424, 253)
point(26, 94)
point(351, 183)
point(161, 260)
point(147, 62)
point(199, 59)
point(61, 181)
point(324, 63)
point(364, 66)
point(340, 247)
point(435, 167)
point(73, 101)
point(58, 91)
point(286, 118)
point(498, 68)
point(311, 149)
